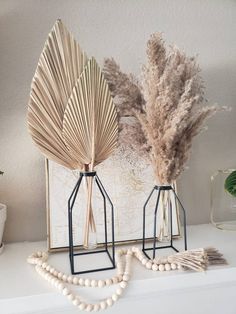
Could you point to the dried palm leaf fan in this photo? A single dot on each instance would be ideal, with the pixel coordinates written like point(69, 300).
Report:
point(59, 67)
point(71, 116)
point(90, 127)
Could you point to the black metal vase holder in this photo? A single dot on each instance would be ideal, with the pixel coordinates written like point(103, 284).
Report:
point(106, 246)
point(154, 239)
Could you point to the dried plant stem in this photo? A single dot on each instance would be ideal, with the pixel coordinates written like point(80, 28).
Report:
point(90, 225)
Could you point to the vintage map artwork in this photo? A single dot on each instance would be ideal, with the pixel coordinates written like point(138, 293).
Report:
point(128, 183)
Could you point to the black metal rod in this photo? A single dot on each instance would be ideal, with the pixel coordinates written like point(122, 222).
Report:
point(112, 218)
point(88, 173)
point(159, 247)
point(90, 252)
point(171, 220)
point(184, 222)
point(93, 270)
point(70, 207)
point(144, 215)
point(105, 212)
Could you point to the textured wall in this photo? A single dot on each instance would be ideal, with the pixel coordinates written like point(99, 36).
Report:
point(119, 29)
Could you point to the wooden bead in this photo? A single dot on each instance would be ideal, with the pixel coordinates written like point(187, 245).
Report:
point(81, 281)
point(161, 267)
point(89, 308)
point(71, 297)
point(120, 277)
point(108, 282)
point(87, 282)
point(82, 306)
point(96, 307)
point(65, 291)
point(75, 280)
point(114, 297)
point(123, 284)
point(94, 283)
point(101, 283)
point(119, 291)
point(140, 257)
point(173, 266)
point(109, 302)
point(115, 280)
point(103, 305)
point(48, 268)
point(76, 302)
point(167, 267)
point(155, 267)
point(69, 279)
point(126, 277)
point(64, 277)
point(149, 265)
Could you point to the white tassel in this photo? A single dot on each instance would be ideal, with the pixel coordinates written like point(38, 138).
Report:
point(197, 259)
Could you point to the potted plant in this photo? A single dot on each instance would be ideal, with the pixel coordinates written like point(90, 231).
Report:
point(3, 216)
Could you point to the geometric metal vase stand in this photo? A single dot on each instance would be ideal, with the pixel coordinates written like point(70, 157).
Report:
point(106, 246)
point(150, 252)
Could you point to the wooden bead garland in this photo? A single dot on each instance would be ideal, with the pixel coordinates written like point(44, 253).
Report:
point(59, 279)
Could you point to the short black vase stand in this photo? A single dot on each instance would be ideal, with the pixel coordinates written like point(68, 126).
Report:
point(153, 248)
point(102, 247)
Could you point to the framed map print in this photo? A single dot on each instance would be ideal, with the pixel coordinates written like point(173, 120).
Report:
point(128, 183)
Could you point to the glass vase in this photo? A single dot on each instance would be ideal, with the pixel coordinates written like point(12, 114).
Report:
point(90, 214)
point(223, 204)
point(160, 210)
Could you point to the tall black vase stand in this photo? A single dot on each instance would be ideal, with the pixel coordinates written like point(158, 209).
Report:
point(106, 246)
point(154, 246)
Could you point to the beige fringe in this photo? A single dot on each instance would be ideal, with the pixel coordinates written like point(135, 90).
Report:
point(196, 259)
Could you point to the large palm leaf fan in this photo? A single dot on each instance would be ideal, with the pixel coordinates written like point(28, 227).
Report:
point(71, 116)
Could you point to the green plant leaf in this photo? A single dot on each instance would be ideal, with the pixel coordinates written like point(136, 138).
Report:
point(230, 183)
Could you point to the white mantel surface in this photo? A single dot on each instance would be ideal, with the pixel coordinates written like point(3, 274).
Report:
point(22, 290)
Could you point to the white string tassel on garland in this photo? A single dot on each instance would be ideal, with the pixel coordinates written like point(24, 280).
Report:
point(197, 259)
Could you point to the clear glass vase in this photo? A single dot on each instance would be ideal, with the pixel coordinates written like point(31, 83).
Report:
point(223, 204)
point(89, 213)
point(84, 205)
point(163, 216)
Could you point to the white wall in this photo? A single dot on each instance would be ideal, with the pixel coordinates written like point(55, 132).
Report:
point(119, 29)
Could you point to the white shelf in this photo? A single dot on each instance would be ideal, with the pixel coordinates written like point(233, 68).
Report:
point(23, 291)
